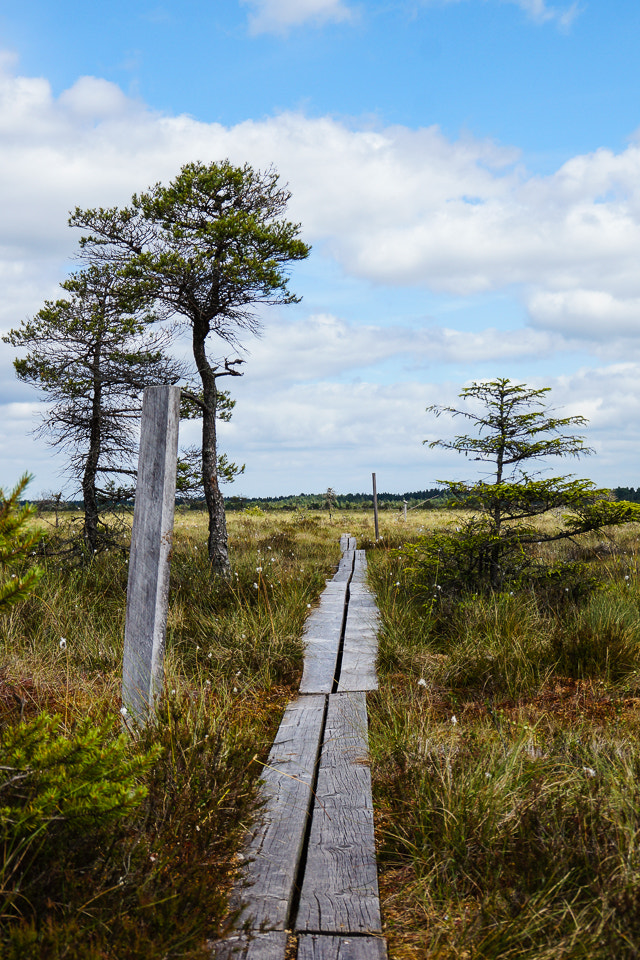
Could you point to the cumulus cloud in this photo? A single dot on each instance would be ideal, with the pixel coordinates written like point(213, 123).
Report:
point(322, 347)
point(338, 433)
point(278, 16)
point(588, 314)
point(391, 206)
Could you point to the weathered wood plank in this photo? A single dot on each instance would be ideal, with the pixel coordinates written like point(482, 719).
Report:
point(345, 567)
point(340, 886)
point(273, 852)
point(322, 640)
point(360, 651)
point(359, 566)
point(318, 946)
point(151, 538)
point(358, 669)
point(260, 946)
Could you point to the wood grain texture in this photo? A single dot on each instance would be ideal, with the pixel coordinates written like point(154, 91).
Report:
point(149, 559)
point(260, 946)
point(314, 946)
point(360, 650)
point(340, 887)
point(321, 639)
point(273, 852)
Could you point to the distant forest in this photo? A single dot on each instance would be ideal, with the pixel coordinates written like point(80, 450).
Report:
point(425, 499)
point(343, 501)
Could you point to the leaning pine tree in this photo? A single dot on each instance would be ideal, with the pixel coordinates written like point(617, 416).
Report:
point(214, 244)
point(90, 355)
point(496, 544)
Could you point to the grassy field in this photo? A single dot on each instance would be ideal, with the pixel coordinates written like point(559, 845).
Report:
point(507, 767)
point(503, 739)
point(145, 872)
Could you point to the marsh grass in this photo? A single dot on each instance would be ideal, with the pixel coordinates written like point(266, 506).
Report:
point(506, 765)
point(503, 743)
point(153, 878)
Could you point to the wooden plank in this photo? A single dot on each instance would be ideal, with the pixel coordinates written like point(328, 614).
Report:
point(151, 538)
point(360, 567)
point(259, 946)
point(273, 852)
point(340, 887)
point(322, 640)
point(358, 668)
point(317, 946)
point(345, 567)
point(360, 651)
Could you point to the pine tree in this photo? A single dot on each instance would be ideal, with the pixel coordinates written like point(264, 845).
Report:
point(213, 245)
point(90, 356)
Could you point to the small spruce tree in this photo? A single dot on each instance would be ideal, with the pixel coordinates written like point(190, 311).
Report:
point(497, 544)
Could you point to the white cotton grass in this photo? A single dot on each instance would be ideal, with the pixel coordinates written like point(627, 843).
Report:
point(63, 643)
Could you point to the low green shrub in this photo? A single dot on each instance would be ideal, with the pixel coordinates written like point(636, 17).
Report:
point(56, 789)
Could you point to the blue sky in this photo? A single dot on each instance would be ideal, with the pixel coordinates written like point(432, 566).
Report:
point(553, 80)
point(467, 172)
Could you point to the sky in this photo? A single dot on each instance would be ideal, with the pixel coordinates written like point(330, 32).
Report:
point(467, 173)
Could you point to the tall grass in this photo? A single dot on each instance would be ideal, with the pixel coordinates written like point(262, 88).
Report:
point(152, 877)
point(506, 766)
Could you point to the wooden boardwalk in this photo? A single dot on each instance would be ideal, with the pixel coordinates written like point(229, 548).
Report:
point(311, 866)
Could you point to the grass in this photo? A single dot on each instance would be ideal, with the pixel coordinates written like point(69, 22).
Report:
point(504, 747)
point(506, 766)
point(147, 871)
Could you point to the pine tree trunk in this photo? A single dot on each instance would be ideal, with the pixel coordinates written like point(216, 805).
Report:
point(218, 542)
point(90, 532)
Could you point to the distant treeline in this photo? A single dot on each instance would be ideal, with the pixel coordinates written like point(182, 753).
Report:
point(627, 493)
point(343, 501)
point(425, 499)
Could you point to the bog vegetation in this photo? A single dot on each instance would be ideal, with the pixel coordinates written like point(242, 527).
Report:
point(125, 848)
point(504, 735)
point(503, 739)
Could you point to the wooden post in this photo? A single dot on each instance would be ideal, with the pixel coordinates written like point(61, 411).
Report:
point(404, 505)
point(149, 559)
point(375, 504)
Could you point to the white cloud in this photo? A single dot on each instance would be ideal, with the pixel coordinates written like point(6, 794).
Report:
point(587, 314)
point(392, 206)
point(323, 347)
point(541, 12)
point(278, 16)
point(313, 435)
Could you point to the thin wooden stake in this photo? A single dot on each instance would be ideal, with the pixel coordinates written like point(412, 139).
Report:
point(375, 505)
point(149, 559)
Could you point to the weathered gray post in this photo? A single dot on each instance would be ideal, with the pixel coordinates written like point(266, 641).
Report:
point(404, 506)
point(375, 504)
point(149, 560)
